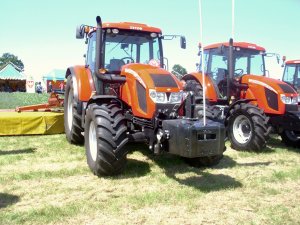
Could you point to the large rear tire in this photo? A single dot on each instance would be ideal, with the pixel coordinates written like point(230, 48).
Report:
point(290, 138)
point(196, 88)
point(105, 138)
point(247, 127)
point(72, 119)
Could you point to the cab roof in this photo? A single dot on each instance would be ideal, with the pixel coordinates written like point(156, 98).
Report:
point(237, 44)
point(131, 26)
point(295, 61)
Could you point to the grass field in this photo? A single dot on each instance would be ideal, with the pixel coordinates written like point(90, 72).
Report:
point(12, 100)
point(45, 180)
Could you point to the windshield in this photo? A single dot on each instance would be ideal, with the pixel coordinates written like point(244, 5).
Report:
point(246, 61)
point(131, 47)
point(292, 75)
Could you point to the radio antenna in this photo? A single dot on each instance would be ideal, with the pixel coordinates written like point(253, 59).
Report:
point(202, 63)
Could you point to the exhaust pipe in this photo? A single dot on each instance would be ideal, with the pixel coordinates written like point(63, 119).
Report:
point(230, 68)
point(98, 82)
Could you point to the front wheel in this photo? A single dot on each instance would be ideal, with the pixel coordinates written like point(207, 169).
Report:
point(247, 127)
point(105, 138)
point(291, 138)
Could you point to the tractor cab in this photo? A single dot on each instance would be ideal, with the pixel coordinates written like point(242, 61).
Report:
point(247, 59)
point(112, 46)
point(125, 43)
point(291, 73)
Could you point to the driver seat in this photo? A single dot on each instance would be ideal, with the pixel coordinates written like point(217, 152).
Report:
point(221, 75)
point(221, 81)
point(115, 64)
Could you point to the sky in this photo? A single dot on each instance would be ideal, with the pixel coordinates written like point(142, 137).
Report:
point(42, 33)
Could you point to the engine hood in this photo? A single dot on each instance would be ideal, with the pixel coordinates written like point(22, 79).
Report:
point(151, 77)
point(277, 86)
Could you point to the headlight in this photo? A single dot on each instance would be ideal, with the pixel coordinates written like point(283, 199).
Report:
point(295, 100)
point(161, 97)
point(298, 98)
point(176, 97)
point(289, 100)
point(157, 97)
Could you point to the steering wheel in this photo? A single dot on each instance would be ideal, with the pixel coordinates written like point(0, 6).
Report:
point(238, 72)
point(127, 57)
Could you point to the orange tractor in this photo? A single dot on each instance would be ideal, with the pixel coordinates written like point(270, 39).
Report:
point(240, 94)
point(291, 74)
point(123, 94)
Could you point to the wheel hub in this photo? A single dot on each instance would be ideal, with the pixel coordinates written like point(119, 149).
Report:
point(292, 135)
point(70, 110)
point(242, 129)
point(93, 141)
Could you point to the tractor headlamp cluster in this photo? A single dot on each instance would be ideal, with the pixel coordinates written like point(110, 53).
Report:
point(289, 100)
point(161, 97)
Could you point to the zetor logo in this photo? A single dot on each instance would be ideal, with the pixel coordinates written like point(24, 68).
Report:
point(135, 28)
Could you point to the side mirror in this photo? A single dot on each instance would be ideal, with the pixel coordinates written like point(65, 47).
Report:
point(283, 60)
point(278, 58)
point(182, 42)
point(273, 54)
point(80, 32)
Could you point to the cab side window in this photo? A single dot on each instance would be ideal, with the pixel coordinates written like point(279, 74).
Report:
point(289, 74)
point(91, 54)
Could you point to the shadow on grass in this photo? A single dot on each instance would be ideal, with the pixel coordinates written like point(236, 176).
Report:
point(277, 143)
point(265, 150)
point(176, 169)
point(198, 178)
point(17, 152)
point(135, 168)
point(7, 200)
point(228, 162)
point(206, 182)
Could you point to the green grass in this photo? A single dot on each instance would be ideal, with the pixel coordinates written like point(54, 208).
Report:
point(45, 180)
point(12, 100)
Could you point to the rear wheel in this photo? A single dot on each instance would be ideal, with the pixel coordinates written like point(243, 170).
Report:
point(196, 88)
point(291, 138)
point(247, 127)
point(206, 161)
point(105, 138)
point(72, 119)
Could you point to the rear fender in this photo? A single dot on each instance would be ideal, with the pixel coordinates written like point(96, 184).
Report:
point(83, 82)
point(211, 92)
